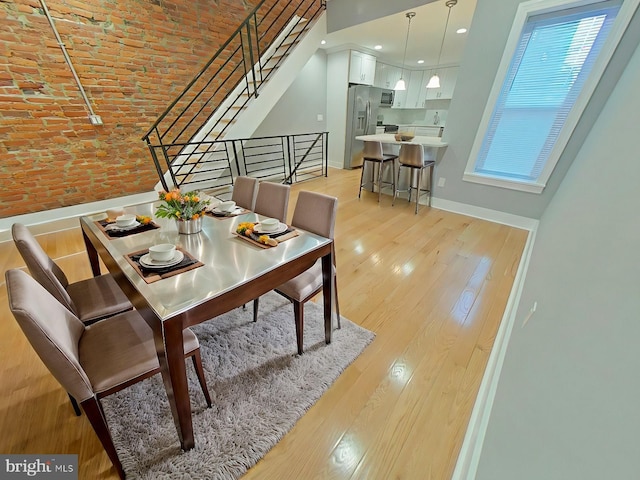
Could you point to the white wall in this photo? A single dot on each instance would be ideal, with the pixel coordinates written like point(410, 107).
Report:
point(567, 401)
point(337, 86)
point(486, 40)
point(297, 110)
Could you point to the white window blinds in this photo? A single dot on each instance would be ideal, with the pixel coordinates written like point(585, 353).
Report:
point(553, 58)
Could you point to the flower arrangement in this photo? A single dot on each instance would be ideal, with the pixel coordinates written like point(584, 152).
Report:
point(188, 206)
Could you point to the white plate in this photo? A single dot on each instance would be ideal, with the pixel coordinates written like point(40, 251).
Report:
point(115, 227)
point(279, 229)
point(147, 262)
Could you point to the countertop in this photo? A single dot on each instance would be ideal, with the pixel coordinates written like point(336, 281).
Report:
point(390, 138)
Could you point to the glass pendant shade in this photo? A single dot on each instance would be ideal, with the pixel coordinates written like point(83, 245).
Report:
point(400, 85)
point(434, 81)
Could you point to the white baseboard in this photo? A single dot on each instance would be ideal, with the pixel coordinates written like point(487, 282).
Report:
point(67, 217)
point(469, 456)
point(496, 216)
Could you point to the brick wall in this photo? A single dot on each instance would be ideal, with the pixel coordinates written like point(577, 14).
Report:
point(133, 57)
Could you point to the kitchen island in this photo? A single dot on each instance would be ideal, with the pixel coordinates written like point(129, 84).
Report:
point(391, 145)
point(389, 138)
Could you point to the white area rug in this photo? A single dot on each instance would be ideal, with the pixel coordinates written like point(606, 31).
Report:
point(259, 388)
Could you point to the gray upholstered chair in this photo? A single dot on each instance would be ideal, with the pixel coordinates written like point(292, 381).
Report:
point(244, 192)
point(273, 200)
point(315, 213)
point(412, 157)
point(373, 154)
point(90, 300)
point(90, 361)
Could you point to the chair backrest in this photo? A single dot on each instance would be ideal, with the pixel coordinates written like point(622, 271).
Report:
point(372, 150)
point(244, 192)
point(273, 200)
point(411, 154)
point(41, 266)
point(316, 213)
point(53, 331)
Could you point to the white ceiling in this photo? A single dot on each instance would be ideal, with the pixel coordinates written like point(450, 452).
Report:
point(425, 35)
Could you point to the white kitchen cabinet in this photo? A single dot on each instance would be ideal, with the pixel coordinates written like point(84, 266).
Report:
point(413, 90)
point(386, 75)
point(409, 98)
point(448, 77)
point(362, 68)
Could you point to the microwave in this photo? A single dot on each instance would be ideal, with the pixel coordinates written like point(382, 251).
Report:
point(386, 98)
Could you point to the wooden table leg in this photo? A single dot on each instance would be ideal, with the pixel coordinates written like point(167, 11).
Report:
point(327, 289)
point(92, 253)
point(174, 376)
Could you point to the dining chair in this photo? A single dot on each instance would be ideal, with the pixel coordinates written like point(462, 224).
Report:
point(315, 213)
point(373, 154)
point(90, 361)
point(412, 157)
point(90, 300)
point(273, 200)
point(244, 192)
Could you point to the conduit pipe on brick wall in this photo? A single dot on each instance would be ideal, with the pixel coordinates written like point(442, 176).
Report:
point(93, 118)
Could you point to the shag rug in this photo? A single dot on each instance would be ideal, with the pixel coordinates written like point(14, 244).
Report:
point(259, 387)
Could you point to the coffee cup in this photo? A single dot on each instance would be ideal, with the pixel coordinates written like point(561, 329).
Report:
point(269, 224)
point(125, 220)
point(228, 206)
point(162, 252)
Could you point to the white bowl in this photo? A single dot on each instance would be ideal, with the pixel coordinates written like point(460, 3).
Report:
point(269, 224)
point(125, 220)
point(227, 206)
point(162, 252)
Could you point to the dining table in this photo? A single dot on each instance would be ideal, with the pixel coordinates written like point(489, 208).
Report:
point(229, 273)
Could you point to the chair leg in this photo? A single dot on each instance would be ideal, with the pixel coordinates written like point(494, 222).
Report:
point(361, 178)
point(418, 188)
point(395, 188)
point(197, 365)
point(75, 406)
point(380, 168)
point(298, 314)
point(256, 302)
point(335, 288)
point(93, 410)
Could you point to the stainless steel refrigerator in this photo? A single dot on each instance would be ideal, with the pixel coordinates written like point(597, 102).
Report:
point(363, 107)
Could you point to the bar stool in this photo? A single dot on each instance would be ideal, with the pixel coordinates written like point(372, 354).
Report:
point(412, 157)
point(373, 153)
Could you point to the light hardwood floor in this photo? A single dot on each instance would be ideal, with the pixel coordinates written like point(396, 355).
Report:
point(432, 286)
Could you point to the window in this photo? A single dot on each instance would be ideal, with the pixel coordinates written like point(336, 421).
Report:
point(556, 57)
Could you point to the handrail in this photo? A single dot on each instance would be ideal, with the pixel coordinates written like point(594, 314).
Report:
point(203, 70)
point(242, 49)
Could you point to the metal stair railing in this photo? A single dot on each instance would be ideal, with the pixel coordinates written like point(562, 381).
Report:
point(240, 67)
point(284, 159)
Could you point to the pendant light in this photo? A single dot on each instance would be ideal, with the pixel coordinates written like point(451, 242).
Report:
point(401, 85)
point(434, 81)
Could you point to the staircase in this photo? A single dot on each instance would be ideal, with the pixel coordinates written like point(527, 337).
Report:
point(197, 143)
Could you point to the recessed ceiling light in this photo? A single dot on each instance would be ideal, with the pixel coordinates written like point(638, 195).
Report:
point(378, 47)
point(461, 30)
point(323, 42)
point(420, 61)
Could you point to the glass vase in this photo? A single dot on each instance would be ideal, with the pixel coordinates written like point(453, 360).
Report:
point(188, 227)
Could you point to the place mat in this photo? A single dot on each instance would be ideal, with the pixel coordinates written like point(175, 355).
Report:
point(222, 216)
point(153, 275)
point(143, 227)
point(288, 234)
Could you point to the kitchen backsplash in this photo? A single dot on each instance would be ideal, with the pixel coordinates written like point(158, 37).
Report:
point(393, 116)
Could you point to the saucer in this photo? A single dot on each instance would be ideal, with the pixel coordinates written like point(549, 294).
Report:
point(113, 226)
point(147, 262)
point(279, 229)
